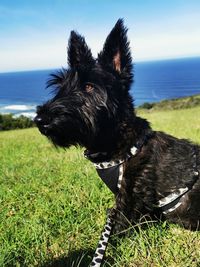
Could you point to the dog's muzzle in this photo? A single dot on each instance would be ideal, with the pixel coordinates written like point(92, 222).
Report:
point(42, 124)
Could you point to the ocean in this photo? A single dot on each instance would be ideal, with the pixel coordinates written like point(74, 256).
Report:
point(21, 92)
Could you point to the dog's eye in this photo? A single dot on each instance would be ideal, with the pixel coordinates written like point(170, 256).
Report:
point(89, 88)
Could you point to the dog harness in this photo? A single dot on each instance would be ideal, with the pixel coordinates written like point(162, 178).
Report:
point(111, 173)
point(174, 200)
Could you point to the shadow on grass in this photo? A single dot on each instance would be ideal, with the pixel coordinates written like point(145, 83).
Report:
point(78, 258)
point(141, 233)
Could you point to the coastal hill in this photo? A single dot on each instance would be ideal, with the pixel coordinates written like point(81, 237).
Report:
point(173, 104)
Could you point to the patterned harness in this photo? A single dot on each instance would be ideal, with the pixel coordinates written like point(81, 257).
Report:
point(111, 172)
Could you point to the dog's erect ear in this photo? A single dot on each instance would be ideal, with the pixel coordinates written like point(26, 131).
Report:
point(116, 51)
point(78, 51)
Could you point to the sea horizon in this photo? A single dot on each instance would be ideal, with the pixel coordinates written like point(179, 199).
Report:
point(155, 80)
point(136, 62)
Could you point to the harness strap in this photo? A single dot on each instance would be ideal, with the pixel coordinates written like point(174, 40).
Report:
point(111, 172)
point(172, 201)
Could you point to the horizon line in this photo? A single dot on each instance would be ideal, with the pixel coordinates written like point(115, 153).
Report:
point(134, 62)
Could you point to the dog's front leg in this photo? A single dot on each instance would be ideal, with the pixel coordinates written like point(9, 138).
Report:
point(132, 205)
point(121, 214)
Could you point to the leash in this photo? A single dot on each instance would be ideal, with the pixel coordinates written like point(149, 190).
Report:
point(111, 173)
point(103, 243)
point(105, 235)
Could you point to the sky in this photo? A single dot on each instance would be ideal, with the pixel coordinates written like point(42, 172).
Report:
point(34, 33)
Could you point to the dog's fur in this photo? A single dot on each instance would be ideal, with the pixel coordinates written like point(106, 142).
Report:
point(92, 107)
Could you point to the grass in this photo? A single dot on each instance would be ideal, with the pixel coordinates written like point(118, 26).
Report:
point(53, 205)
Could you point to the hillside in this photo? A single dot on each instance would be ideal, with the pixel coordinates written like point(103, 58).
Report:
point(173, 104)
point(53, 205)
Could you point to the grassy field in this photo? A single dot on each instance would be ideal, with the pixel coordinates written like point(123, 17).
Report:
point(53, 205)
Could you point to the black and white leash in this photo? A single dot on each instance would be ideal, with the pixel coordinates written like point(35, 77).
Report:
point(102, 245)
point(103, 241)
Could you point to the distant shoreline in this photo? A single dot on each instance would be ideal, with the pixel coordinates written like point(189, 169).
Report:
point(166, 104)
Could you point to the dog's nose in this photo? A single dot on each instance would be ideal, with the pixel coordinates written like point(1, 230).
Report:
point(38, 120)
point(41, 121)
point(42, 124)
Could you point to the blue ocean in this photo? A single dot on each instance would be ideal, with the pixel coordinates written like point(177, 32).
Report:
point(21, 92)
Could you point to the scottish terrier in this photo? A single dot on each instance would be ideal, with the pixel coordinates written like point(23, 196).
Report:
point(152, 174)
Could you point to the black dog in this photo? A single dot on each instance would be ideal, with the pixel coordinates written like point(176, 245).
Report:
point(155, 175)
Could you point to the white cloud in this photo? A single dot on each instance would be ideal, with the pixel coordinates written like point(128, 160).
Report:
point(35, 49)
point(166, 46)
point(33, 55)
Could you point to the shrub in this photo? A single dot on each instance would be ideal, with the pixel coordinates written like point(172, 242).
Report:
point(9, 122)
point(147, 105)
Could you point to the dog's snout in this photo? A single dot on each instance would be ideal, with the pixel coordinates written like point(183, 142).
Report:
point(41, 120)
point(38, 120)
point(42, 123)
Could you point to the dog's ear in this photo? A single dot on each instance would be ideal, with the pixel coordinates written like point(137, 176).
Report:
point(78, 51)
point(116, 51)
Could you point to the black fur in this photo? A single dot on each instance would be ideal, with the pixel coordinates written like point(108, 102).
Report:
point(92, 107)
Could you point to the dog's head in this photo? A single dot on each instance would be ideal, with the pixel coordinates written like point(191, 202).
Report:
point(91, 96)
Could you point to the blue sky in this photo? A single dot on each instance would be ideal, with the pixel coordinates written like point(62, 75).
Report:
point(34, 34)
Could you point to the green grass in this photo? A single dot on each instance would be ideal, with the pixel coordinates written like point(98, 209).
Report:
point(53, 205)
